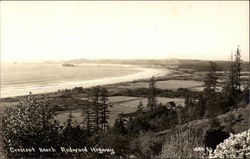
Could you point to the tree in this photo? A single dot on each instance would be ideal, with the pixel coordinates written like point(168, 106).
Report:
point(230, 85)
point(233, 83)
point(104, 113)
point(201, 104)
point(89, 115)
point(119, 127)
point(188, 101)
point(72, 134)
point(152, 100)
point(95, 95)
point(237, 65)
point(211, 80)
point(211, 83)
point(140, 107)
point(96, 113)
point(67, 140)
point(31, 123)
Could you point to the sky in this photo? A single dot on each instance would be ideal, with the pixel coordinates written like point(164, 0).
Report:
point(62, 30)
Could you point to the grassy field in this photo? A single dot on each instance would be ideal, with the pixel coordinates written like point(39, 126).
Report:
point(120, 104)
point(77, 116)
point(168, 84)
point(134, 101)
point(127, 104)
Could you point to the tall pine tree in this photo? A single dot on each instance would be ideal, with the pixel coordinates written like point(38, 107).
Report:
point(104, 112)
point(152, 100)
point(89, 115)
point(95, 95)
point(233, 83)
point(237, 65)
point(211, 82)
point(140, 107)
point(67, 130)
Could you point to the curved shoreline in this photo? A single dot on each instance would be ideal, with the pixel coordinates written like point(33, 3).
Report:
point(144, 73)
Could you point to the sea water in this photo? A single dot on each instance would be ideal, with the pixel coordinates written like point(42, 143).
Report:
point(22, 78)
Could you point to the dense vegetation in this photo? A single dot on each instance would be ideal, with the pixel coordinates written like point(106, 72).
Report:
point(154, 130)
point(198, 65)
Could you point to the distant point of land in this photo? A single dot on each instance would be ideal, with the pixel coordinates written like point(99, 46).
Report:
point(68, 65)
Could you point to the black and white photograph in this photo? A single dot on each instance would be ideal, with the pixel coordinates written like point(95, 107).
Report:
point(124, 79)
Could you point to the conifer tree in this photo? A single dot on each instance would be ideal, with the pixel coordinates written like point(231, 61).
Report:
point(95, 95)
point(237, 65)
point(229, 86)
point(202, 104)
point(70, 117)
point(89, 115)
point(120, 125)
point(188, 101)
point(140, 107)
point(67, 130)
point(211, 82)
point(121, 116)
point(72, 134)
point(104, 112)
point(152, 100)
point(233, 82)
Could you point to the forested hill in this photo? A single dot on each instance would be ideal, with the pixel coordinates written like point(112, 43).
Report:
point(199, 65)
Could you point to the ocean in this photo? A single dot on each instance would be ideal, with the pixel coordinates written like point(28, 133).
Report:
point(22, 78)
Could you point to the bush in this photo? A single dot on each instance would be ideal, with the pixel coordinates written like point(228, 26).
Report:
point(147, 145)
point(157, 120)
point(111, 140)
point(181, 144)
point(236, 146)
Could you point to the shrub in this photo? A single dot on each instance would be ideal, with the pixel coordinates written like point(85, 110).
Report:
point(119, 143)
point(236, 146)
point(147, 145)
point(181, 144)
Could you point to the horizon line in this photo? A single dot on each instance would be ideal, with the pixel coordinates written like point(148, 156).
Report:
point(125, 59)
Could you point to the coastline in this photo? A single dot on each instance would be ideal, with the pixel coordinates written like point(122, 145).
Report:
point(142, 74)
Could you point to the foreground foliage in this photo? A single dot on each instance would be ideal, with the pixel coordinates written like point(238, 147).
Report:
point(181, 144)
point(30, 124)
point(236, 146)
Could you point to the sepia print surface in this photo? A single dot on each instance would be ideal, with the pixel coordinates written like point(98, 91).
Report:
point(124, 79)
